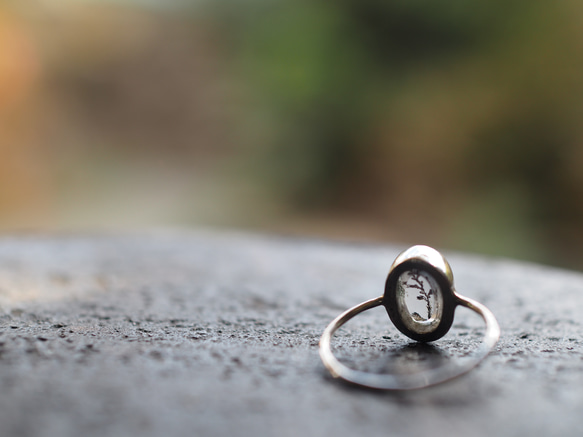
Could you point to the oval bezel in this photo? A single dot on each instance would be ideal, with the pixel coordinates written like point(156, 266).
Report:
point(427, 260)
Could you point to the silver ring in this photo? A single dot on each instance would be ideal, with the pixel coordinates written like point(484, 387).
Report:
point(420, 299)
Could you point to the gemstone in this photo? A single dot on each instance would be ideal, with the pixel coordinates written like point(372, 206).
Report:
point(419, 300)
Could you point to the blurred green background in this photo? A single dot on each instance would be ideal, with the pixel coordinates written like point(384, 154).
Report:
point(445, 122)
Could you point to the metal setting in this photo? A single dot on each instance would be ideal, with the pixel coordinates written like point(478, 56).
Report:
point(426, 274)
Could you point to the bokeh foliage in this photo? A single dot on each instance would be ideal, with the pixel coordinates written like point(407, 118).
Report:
point(454, 121)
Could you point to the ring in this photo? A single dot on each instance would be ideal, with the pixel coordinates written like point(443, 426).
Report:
point(420, 299)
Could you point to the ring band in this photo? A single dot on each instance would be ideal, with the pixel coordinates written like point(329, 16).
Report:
point(425, 272)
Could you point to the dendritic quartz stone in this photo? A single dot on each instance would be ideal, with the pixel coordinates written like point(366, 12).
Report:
point(419, 301)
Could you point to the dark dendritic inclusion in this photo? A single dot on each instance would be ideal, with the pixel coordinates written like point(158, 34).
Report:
point(419, 298)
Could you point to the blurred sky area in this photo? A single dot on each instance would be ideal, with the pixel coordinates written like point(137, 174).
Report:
point(445, 122)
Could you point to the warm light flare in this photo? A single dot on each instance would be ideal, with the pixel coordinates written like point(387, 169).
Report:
point(18, 64)
point(23, 186)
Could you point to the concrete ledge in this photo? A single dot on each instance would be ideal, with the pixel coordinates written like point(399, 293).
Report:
point(216, 334)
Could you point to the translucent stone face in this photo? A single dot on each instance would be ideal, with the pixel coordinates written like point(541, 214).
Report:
point(420, 301)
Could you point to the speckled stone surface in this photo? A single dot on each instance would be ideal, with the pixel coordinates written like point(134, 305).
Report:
point(205, 334)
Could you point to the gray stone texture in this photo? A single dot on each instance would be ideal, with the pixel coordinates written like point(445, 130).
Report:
point(216, 334)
